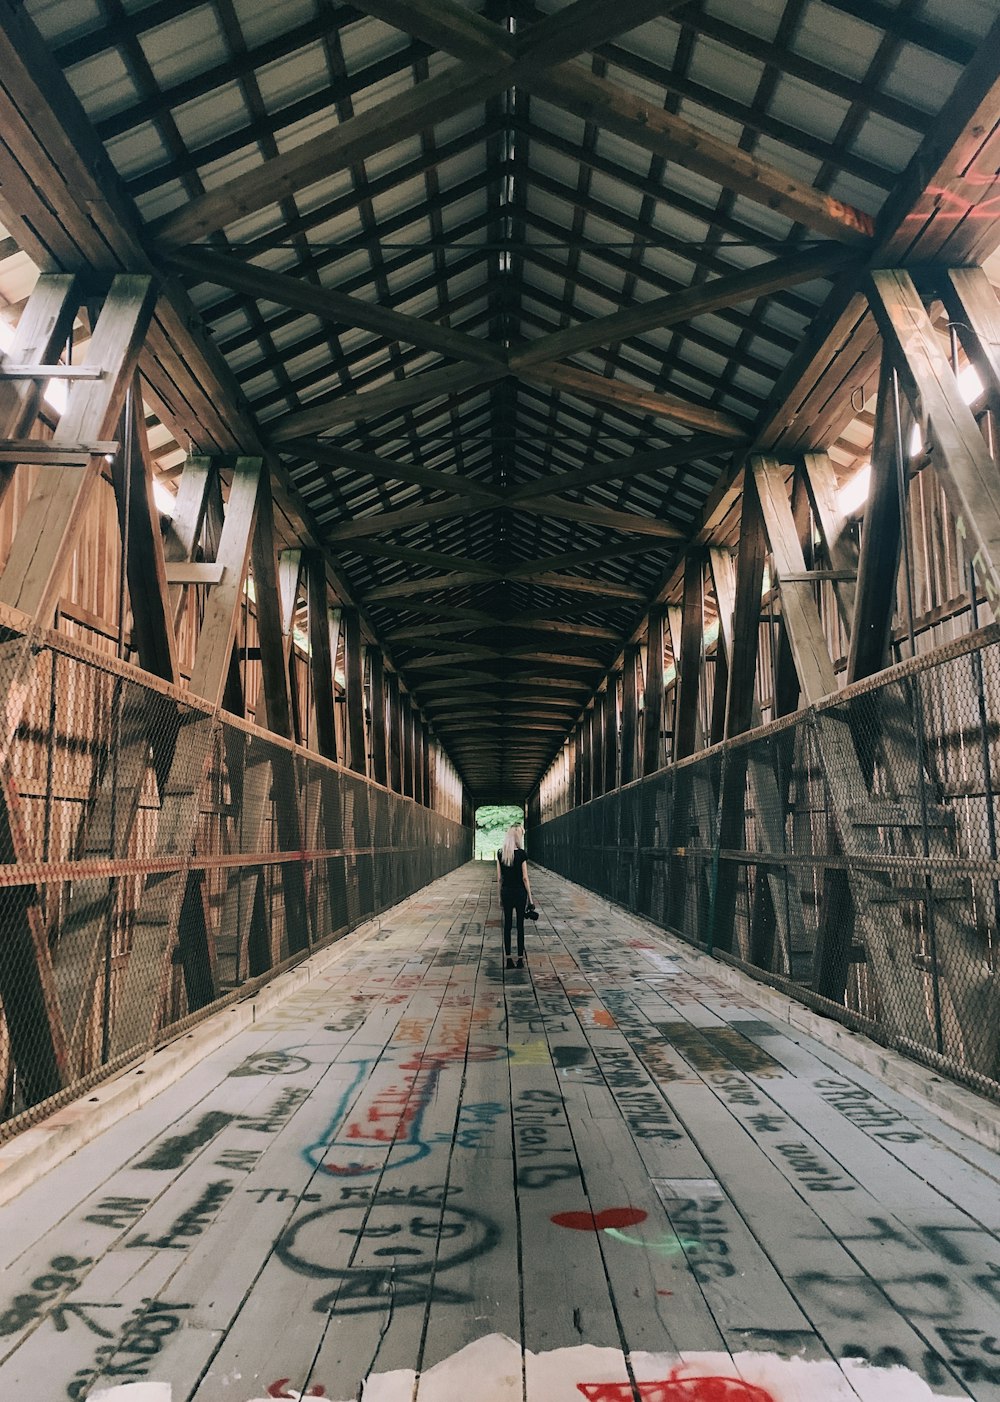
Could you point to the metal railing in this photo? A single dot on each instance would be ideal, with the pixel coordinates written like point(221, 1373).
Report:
point(159, 858)
point(847, 853)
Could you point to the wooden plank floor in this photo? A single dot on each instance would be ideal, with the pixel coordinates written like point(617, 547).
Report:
point(428, 1178)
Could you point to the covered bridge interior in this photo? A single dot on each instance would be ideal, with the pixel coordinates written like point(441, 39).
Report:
point(407, 405)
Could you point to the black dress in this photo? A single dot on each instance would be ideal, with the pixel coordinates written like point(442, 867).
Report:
point(513, 898)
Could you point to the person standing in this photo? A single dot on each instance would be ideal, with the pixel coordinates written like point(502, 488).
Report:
point(515, 889)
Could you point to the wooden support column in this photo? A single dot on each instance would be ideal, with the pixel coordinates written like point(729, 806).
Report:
point(742, 709)
point(376, 687)
point(32, 580)
point(966, 471)
point(746, 613)
point(41, 333)
point(653, 696)
point(322, 643)
point(290, 575)
point(187, 523)
point(418, 759)
point(159, 909)
point(406, 735)
point(143, 724)
point(395, 733)
point(798, 604)
point(53, 517)
point(325, 810)
point(881, 543)
point(276, 592)
point(686, 725)
point(630, 714)
point(425, 766)
point(355, 690)
point(820, 480)
point(778, 908)
point(724, 585)
point(139, 520)
point(600, 744)
point(611, 733)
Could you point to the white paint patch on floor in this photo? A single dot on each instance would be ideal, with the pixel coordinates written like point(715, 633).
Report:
point(133, 1392)
point(490, 1371)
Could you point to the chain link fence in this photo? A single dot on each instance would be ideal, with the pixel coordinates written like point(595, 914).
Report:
point(848, 854)
point(158, 859)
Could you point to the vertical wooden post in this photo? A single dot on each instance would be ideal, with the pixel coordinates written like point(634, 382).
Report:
point(425, 750)
point(355, 691)
point(395, 733)
point(611, 733)
point(376, 687)
point(290, 575)
point(50, 524)
point(321, 651)
point(39, 337)
point(653, 696)
point(724, 584)
point(881, 545)
point(786, 678)
point(689, 670)
point(406, 738)
point(600, 744)
point(159, 909)
point(630, 715)
point(418, 757)
point(430, 769)
point(746, 613)
point(588, 753)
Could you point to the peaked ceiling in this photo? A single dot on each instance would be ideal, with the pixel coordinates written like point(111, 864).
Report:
point(509, 292)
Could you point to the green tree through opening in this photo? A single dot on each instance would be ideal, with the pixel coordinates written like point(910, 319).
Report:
point(492, 822)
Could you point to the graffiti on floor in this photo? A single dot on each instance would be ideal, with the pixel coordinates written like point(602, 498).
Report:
point(373, 1251)
point(131, 1351)
point(190, 1224)
point(272, 1063)
point(607, 1219)
point(174, 1152)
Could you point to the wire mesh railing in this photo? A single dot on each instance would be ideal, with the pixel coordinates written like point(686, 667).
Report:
point(158, 858)
point(848, 853)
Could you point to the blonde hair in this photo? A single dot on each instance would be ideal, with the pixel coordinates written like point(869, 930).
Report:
point(514, 838)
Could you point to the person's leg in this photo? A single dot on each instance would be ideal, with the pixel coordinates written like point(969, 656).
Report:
point(520, 908)
point(508, 912)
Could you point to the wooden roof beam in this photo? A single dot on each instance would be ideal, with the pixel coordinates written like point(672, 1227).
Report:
point(371, 403)
point(403, 588)
point(383, 522)
point(628, 521)
point(713, 295)
point(601, 588)
point(304, 295)
point(606, 105)
point(494, 67)
point(333, 455)
point(481, 654)
point(651, 463)
point(588, 385)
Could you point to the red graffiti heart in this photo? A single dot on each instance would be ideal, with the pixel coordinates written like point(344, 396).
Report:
point(677, 1390)
point(600, 1221)
point(278, 1390)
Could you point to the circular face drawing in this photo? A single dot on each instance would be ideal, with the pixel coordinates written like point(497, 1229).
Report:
point(273, 1063)
point(368, 1250)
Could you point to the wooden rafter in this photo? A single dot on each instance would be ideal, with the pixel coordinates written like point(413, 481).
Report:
point(491, 71)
